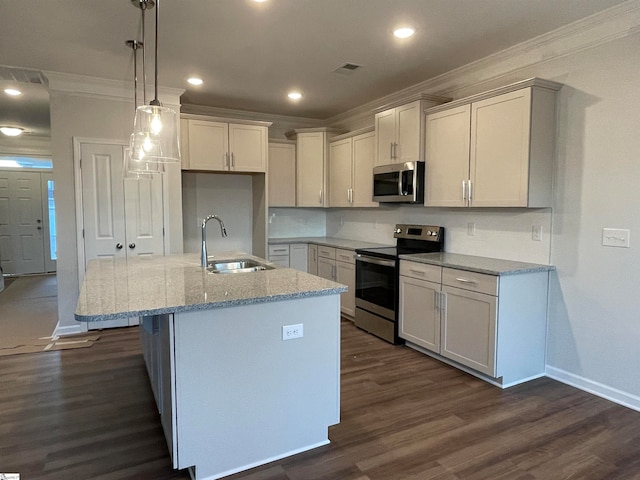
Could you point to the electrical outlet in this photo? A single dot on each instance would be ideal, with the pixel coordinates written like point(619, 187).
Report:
point(471, 229)
point(536, 233)
point(616, 237)
point(289, 332)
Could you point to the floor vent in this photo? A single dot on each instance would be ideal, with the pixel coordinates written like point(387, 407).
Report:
point(347, 68)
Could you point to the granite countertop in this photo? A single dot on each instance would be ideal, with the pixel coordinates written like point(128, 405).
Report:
point(178, 283)
point(491, 266)
point(328, 241)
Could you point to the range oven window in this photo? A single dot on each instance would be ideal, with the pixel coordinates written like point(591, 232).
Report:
point(376, 283)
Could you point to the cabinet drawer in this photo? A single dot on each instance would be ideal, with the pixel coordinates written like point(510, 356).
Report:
point(326, 252)
point(282, 260)
point(348, 256)
point(423, 271)
point(278, 250)
point(475, 282)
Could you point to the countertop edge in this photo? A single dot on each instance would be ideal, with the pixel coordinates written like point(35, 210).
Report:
point(498, 271)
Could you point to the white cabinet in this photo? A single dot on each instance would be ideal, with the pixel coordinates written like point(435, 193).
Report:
point(327, 262)
point(351, 162)
point(222, 146)
point(494, 149)
point(282, 173)
point(400, 130)
point(491, 326)
point(279, 254)
point(346, 274)
point(419, 304)
point(312, 259)
point(292, 255)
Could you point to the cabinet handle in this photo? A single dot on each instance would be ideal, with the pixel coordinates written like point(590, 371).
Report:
point(417, 272)
point(464, 190)
point(395, 150)
point(233, 160)
point(465, 280)
point(469, 191)
point(443, 302)
point(279, 250)
point(436, 300)
point(320, 197)
point(391, 150)
point(226, 156)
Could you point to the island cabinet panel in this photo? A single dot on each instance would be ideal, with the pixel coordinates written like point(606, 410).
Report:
point(236, 395)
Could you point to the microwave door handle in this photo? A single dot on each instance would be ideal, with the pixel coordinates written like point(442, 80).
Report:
point(400, 183)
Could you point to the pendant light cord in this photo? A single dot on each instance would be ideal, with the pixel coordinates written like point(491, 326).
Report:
point(155, 100)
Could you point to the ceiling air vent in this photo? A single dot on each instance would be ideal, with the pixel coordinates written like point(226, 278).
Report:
point(22, 75)
point(347, 68)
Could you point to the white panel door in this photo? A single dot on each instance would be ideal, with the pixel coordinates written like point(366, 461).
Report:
point(144, 216)
point(103, 201)
point(21, 226)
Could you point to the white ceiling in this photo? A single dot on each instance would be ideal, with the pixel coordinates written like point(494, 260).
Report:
point(250, 54)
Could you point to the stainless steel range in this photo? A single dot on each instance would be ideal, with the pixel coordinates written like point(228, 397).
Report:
point(377, 276)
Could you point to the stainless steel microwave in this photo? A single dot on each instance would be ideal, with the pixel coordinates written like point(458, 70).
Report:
point(399, 182)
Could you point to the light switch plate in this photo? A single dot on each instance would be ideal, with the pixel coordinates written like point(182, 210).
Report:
point(471, 229)
point(536, 233)
point(616, 237)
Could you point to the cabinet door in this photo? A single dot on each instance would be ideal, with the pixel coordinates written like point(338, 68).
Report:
point(247, 148)
point(312, 260)
point(447, 157)
point(310, 172)
point(282, 175)
point(340, 173)
point(499, 166)
point(409, 134)
point(298, 256)
point(363, 163)
point(346, 274)
point(327, 268)
point(208, 145)
point(385, 136)
point(468, 333)
point(419, 312)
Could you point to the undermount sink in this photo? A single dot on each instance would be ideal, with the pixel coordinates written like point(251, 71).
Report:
point(236, 266)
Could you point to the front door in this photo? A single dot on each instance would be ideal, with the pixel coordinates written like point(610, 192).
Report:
point(21, 223)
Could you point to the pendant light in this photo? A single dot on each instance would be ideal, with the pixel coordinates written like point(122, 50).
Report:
point(155, 128)
point(135, 167)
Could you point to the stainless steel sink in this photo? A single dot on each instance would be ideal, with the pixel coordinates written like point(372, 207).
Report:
point(237, 266)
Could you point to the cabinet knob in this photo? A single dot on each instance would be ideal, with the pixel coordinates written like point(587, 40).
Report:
point(119, 246)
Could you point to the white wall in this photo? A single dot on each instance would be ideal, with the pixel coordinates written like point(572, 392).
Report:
point(226, 195)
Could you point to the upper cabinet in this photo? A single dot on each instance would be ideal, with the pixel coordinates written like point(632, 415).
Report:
point(351, 161)
point(400, 131)
point(312, 166)
point(282, 173)
point(493, 150)
point(211, 145)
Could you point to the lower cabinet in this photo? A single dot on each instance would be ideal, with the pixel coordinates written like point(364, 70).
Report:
point(279, 254)
point(492, 326)
point(292, 255)
point(339, 265)
point(312, 259)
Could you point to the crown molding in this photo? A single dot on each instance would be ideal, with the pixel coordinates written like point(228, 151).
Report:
point(104, 88)
point(608, 25)
point(209, 111)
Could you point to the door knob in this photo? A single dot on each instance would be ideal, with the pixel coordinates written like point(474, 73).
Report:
point(119, 246)
point(39, 221)
point(132, 245)
point(39, 227)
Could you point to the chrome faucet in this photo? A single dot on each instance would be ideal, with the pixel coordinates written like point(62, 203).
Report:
point(223, 232)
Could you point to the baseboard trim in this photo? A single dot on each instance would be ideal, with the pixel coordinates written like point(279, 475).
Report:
point(613, 394)
point(61, 331)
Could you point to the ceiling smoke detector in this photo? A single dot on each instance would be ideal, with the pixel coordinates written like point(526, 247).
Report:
point(347, 68)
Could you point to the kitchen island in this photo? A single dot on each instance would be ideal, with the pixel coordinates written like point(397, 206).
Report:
point(244, 367)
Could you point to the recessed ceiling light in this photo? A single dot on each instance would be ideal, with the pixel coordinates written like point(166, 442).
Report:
point(12, 91)
point(259, 1)
point(294, 95)
point(404, 32)
point(11, 131)
point(195, 81)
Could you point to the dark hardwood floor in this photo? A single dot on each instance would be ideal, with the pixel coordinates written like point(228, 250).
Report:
point(89, 414)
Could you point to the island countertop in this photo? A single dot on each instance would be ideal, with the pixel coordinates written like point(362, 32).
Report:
point(157, 285)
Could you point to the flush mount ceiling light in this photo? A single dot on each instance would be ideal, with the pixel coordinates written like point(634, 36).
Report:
point(294, 95)
point(195, 81)
point(12, 92)
point(403, 32)
point(155, 128)
point(11, 131)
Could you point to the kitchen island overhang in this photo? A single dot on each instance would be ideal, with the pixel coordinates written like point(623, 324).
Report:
point(231, 392)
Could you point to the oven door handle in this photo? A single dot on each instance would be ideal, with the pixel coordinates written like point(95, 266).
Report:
point(377, 261)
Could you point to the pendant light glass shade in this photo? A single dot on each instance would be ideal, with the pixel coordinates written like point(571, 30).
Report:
point(155, 135)
point(135, 168)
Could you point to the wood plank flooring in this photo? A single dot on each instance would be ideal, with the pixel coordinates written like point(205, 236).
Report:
point(89, 414)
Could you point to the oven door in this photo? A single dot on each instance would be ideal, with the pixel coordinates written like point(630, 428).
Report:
point(376, 285)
